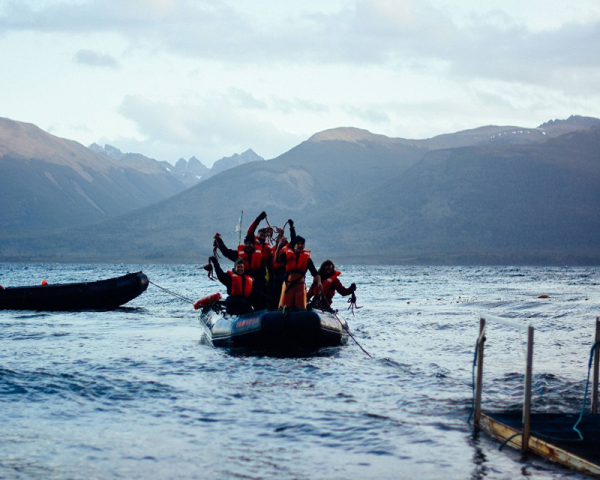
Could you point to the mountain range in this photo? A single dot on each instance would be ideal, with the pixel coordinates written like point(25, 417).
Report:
point(491, 195)
point(49, 182)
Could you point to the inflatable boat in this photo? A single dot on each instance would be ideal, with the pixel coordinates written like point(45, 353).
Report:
point(101, 295)
point(284, 331)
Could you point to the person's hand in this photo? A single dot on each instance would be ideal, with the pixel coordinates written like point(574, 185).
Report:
point(213, 259)
point(282, 240)
point(353, 287)
point(262, 216)
point(290, 222)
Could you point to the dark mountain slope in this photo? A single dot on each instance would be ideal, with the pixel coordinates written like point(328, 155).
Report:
point(500, 204)
point(310, 177)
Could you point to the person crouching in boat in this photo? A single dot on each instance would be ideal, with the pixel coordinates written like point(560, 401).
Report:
point(254, 265)
point(240, 287)
point(297, 262)
point(331, 284)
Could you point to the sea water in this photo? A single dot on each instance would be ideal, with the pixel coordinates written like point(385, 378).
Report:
point(140, 392)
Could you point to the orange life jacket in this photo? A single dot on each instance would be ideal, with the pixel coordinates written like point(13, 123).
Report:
point(296, 264)
point(252, 263)
point(241, 285)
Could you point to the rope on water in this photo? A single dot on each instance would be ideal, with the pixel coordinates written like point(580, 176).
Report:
point(181, 297)
point(351, 336)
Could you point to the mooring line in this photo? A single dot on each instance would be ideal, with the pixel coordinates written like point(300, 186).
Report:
point(181, 297)
point(349, 333)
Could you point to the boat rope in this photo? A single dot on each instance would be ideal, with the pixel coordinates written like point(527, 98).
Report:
point(181, 297)
point(345, 327)
point(587, 384)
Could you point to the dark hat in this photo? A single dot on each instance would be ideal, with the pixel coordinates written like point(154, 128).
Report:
point(249, 238)
point(300, 239)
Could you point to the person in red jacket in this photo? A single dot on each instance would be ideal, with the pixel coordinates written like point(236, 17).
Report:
point(331, 284)
point(297, 262)
point(261, 239)
point(254, 265)
point(240, 287)
point(277, 275)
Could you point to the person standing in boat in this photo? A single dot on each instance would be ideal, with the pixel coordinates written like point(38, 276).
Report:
point(261, 240)
point(240, 287)
point(278, 269)
point(254, 265)
point(297, 261)
point(331, 284)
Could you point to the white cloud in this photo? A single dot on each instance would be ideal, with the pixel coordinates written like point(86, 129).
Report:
point(215, 77)
point(208, 130)
point(96, 59)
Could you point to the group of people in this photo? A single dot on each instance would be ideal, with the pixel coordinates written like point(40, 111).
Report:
point(274, 276)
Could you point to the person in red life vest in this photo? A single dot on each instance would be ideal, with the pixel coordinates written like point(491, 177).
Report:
point(297, 262)
point(254, 264)
point(261, 239)
point(278, 269)
point(240, 287)
point(331, 284)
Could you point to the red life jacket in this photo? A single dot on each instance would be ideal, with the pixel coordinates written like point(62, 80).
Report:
point(240, 285)
point(328, 289)
point(274, 263)
point(296, 264)
point(252, 263)
point(267, 252)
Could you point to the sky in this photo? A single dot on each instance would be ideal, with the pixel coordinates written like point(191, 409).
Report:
point(210, 78)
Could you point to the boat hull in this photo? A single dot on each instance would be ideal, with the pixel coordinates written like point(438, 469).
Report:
point(101, 295)
point(274, 330)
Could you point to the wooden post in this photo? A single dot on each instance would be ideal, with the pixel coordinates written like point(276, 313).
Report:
point(479, 378)
point(527, 393)
point(596, 370)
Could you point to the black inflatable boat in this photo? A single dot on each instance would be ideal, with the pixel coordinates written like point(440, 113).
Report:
point(274, 329)
point(101, 295)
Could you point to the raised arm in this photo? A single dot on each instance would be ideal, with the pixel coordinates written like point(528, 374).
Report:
point(292, 233)
point(227, 252)
point(221, 275)
point(254, 225)
point(343, 291)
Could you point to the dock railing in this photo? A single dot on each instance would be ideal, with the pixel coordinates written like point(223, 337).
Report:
point(483, 321)
point(528, 372)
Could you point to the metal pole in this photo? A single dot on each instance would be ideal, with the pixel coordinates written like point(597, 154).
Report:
point(527, 393)
point(596, 370)
point(479, 380)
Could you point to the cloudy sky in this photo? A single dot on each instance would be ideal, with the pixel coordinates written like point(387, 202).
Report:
point(176, 78)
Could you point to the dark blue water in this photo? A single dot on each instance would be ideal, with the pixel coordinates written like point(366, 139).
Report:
point(140, 392)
